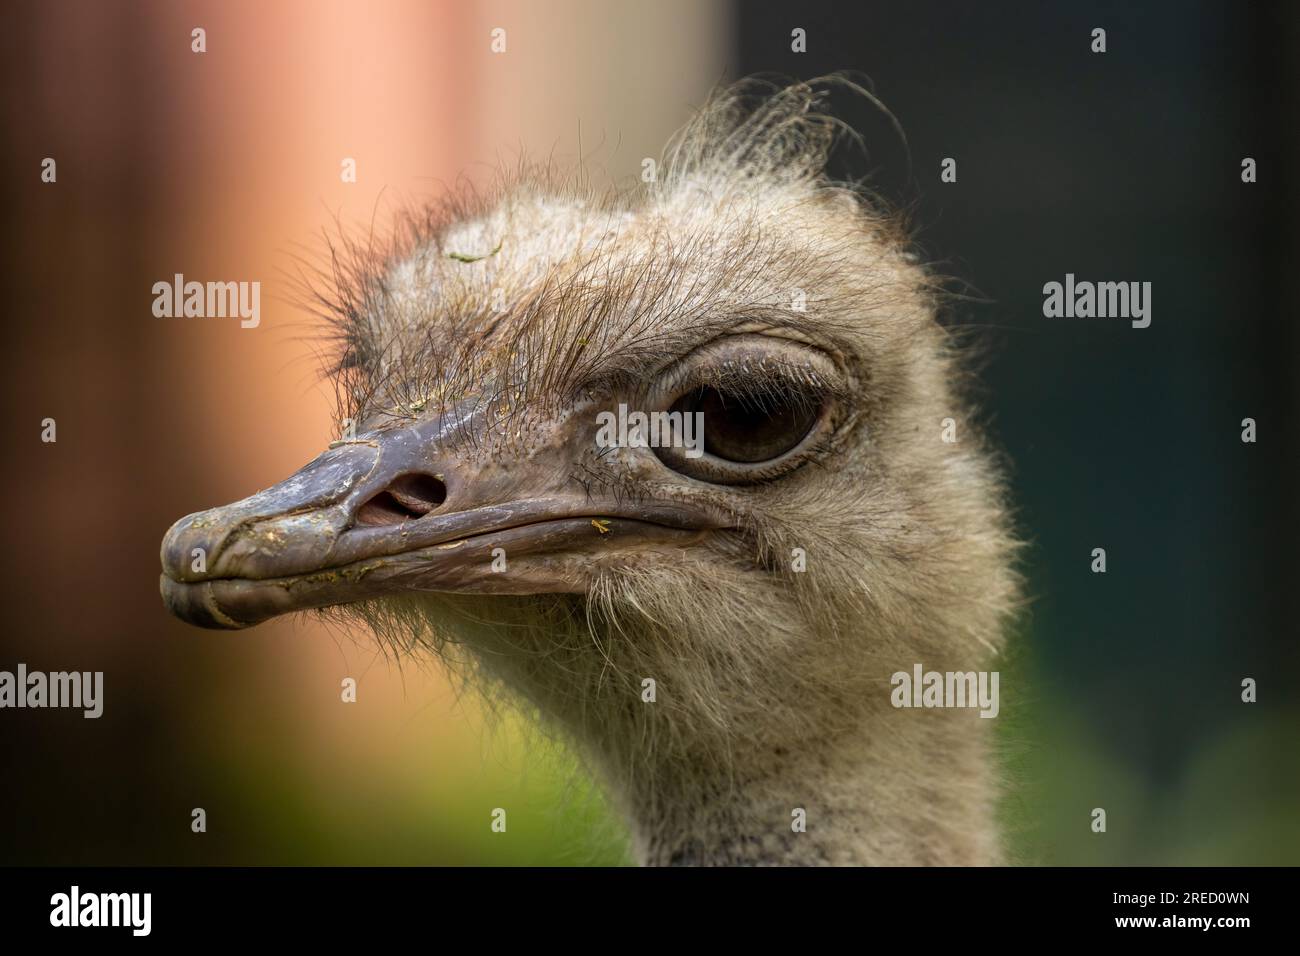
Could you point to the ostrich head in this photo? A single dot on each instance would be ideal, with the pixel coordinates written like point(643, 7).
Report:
point(716, 628)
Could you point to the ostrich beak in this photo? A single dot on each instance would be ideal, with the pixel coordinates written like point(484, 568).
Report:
point(396, 511)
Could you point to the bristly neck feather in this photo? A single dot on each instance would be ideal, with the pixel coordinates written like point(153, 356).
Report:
point(911, 788)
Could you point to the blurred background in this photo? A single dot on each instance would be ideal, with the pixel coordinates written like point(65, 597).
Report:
point(1121, 691)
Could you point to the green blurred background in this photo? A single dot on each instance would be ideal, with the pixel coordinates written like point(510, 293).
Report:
point(1119, 691)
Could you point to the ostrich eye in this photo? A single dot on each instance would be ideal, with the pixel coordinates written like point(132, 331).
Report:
point(757, 408)
point(748, 428)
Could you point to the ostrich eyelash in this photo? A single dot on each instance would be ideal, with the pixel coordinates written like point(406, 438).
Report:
point(764, 384)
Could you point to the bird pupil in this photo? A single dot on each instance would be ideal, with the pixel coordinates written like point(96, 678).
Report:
point(747, 429)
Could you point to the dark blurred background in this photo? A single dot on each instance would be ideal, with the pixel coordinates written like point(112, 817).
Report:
point(1121, 691)
point(1121, 166)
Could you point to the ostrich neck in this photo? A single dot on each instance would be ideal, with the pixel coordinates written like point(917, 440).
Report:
point(909, 788)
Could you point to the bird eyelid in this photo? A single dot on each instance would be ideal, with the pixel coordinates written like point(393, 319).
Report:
point(757, 366)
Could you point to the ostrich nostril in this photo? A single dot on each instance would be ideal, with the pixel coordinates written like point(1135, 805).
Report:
point(407, 498)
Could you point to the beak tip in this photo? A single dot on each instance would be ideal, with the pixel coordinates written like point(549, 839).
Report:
point(195, 604)
point(177, 547)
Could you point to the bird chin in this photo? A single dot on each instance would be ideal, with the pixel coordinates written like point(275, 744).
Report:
point(547, 557)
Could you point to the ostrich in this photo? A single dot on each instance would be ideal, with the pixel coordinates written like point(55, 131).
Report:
point(715, 632)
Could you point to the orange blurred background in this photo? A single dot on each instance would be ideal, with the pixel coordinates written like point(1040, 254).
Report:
point(225, 165)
